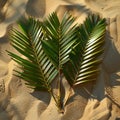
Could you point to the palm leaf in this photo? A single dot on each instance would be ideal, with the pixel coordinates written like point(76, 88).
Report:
point(60, 36)
point(35, 67)
point(85, 55)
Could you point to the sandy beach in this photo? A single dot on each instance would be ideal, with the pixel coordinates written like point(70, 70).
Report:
point(18, 102)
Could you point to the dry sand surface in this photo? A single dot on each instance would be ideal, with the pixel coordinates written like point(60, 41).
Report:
point(17, 102)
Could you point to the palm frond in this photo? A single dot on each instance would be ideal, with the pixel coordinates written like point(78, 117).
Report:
point(85, 55)
point(60, 36)
point(36, 68)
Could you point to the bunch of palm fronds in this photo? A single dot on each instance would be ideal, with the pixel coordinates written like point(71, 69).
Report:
point(53, 48)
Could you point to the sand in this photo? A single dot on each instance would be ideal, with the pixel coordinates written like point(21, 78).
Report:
point(99, 102)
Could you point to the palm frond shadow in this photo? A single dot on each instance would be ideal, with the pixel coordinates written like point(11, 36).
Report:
point(2, 13)
point(77, 7)
point(115, 80)
point(36, 8)
point(82, 91)
point(42, 96)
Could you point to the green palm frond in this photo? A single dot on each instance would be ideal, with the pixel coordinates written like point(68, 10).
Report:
point(60, 36)
point(85, 56)
point(36, 68)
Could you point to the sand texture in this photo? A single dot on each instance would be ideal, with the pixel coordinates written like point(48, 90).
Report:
point(101, 102)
